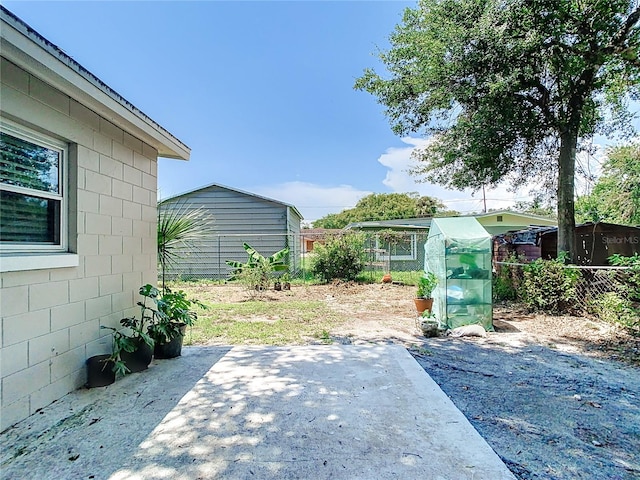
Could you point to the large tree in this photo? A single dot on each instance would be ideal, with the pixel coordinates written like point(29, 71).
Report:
point(508, 88)
point(385, 206)
point(616, 195)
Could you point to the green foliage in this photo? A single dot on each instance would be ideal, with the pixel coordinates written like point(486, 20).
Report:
point(257, 272)
point(616, 195)
point(341, 257)
point(384, 206)
point(133, 332)
point(550, 286)
point(508, 279)
point(507, 89)
point(173, 311)
point(630, 282)
point(612, 307)
point(426, 285)
point(181, 228)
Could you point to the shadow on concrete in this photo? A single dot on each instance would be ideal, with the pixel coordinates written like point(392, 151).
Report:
point(89, 433)
point(308, 412)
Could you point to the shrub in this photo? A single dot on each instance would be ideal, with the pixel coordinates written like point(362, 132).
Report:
point(550, 286)
point(620, 307)
point(341, 257)
point(507, 280)
point(631, 278)
point(614, 308)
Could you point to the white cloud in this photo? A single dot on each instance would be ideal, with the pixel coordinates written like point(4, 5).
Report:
point(398, 160)
point(316, 201)
point(312, 200)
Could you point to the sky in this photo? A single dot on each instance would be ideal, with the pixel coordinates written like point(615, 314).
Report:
point(261, 91)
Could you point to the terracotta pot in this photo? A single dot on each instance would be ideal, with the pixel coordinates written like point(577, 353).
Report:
point(423, 304)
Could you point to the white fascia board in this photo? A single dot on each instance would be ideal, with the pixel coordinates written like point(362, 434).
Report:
point(30, 51)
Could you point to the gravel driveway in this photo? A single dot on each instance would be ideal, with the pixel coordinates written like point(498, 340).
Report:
point(548, 414)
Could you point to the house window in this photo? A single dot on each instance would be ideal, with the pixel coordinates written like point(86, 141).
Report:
point(498, 218)
point(32, 191)
point(404, 248)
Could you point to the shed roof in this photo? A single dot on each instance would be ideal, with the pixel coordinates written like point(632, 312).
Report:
point(218, 185)
point(22, 45)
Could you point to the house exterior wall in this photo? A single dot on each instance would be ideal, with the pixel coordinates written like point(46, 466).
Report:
point(503, 222)
point(236, 217)
point(51, 317)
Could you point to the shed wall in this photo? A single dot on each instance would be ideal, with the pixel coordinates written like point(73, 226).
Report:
point(235, 218)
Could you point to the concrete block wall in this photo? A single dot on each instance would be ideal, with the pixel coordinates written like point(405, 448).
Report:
point(51, 318)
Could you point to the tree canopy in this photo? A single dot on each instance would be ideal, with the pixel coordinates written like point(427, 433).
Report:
point(507, 88)
point(385, 206)
point(615, 197)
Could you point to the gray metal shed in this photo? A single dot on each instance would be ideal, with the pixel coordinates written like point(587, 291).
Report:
point(237, 216)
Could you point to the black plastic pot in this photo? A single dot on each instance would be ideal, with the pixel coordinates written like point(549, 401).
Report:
point(171, 349)
point(139, 359)
point(100, 371)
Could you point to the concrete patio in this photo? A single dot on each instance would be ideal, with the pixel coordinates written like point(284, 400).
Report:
point(307, 412)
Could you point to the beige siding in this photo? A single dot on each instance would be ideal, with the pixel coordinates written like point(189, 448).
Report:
point(51, 318)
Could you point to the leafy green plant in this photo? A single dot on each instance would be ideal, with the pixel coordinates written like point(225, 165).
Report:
point(181, 228)
point(550, 286)
point(507, 280)
point(173, 311)
point(257, 271)
point(630, 282)
point(612, 307)
point(132, 332)
point(426, 285)
point(341, 257)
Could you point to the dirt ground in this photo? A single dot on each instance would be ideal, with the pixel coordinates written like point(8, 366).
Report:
point(555, 397)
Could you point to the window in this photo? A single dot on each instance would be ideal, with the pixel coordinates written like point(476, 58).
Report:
point(32, 191)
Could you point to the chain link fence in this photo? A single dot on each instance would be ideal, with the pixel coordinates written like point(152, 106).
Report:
point(397, 252)
point(594, 282)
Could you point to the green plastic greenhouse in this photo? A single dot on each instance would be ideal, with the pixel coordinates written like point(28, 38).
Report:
point(458, 252)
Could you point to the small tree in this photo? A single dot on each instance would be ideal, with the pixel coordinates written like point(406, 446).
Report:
point(341, 257)
point(180, 230)
point(257, 271)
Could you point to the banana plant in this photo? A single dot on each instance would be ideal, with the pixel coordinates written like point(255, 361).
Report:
point(258, 269)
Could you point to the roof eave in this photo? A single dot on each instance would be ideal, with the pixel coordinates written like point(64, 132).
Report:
point(29, 50)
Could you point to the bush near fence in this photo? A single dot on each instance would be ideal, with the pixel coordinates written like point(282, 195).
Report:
point(611, 293)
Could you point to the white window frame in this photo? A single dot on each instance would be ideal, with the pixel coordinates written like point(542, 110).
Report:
point(411, 256)
point(24, 133)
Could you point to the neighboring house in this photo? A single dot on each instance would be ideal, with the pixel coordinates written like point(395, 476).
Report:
point(411, 248)
point(503, 221)
point(78, 176)
point(311, 236)
point(266, 224)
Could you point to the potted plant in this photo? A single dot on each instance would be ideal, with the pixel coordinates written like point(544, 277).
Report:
point(426, 284)
point(174, 312)
point(429, 324)
point(132, 346)
point(286, 281)
point(100, 371)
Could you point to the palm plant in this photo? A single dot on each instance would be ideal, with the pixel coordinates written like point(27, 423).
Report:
point(180, 230)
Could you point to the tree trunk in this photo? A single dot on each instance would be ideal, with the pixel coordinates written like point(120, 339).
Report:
point(566, 189)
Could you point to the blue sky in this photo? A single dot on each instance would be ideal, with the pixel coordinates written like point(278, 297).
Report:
point(262, 92)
